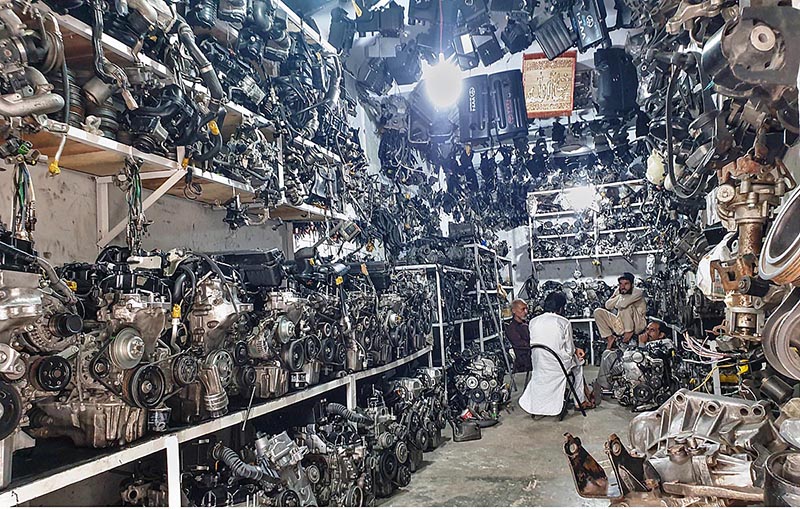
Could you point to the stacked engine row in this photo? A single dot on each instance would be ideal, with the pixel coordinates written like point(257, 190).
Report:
point(104, 352)
point(341, 457)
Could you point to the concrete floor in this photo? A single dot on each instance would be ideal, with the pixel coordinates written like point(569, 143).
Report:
point(519, 462)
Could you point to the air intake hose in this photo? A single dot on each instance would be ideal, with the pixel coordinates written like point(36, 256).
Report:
point(210, 78)
point(343, 411)
point(239, 467)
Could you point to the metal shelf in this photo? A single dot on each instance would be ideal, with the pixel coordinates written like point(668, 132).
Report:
point(624, 230)
point(597, 186)
point(429, 266)
point(330, 156)
point(601, 232)
point(485, 292)
point(601, 255)
point(458, 322)
point(26, 489)
point(77, 44)
point(298, 22)
point(559, 213)
point(99, 156)
point(481, 247)
point(629, 206)
point(561, 236)
point(304, 212)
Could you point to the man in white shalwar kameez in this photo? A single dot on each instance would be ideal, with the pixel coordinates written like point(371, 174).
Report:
point(544, 394)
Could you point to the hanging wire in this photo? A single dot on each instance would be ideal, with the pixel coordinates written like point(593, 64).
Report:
point(24, 218)
point(132, 185)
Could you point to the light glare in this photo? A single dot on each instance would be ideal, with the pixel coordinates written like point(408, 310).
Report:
point(442, 82)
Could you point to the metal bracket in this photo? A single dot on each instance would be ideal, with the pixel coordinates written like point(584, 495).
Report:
point(106, 235)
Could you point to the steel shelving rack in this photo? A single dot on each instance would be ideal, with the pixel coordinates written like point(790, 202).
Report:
point(25, 489)
point(438, 272)
point(596, 232)
point(101, 158)
point(499, 264)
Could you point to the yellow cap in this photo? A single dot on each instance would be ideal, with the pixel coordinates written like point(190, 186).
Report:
point(53, 168)
point(176, 311)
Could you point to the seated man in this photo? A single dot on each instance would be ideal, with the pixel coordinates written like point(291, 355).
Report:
point(611, 362)
point(518, 335)
point(631, 312)
point(544, 394)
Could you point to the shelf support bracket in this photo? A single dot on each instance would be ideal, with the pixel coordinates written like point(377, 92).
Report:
point(352, 399)
point(173, 472)
point(106, 235)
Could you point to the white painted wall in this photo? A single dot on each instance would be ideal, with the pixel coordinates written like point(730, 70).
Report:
point(67, 218)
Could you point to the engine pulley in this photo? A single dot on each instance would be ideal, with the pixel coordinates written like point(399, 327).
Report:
point(52, 373)
point(146, 387)
point(11, 404)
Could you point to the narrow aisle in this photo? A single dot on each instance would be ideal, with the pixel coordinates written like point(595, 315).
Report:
point(519, 462)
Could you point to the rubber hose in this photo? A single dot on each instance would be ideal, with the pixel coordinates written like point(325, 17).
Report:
point(261, 18)
point(215, 149)
point(210, 153)
point(170, 110)
point(65, 83)
point(177, 287)
point(678, 187)
point(57, 284)
point(209, 75)
point(332, 94)
point(343, 411)
point(97, 45)
point(239, 467)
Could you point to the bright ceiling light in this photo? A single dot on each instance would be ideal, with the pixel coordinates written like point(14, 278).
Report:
point(442, 82)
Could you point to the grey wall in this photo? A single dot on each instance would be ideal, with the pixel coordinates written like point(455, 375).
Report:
point(67, 219)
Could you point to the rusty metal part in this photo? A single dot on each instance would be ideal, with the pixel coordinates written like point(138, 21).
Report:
point(633, 471)
point(780, 258)
point(744, 206)
point(696, 449)
point(590, 479)
point(781, 336)
point(684, 18)
point(730, 272)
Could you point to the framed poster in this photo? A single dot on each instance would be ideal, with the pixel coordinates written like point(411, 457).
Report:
point(549, 84)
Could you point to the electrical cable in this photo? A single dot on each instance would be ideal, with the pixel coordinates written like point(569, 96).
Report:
point(680, 190)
